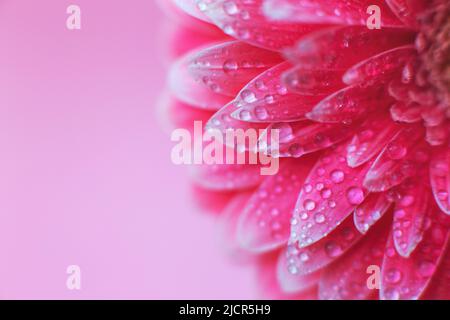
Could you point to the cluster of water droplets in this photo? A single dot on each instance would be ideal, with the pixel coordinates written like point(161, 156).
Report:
point(349, 279)
point(331, 186)
point(312, 258)
point(260, 99)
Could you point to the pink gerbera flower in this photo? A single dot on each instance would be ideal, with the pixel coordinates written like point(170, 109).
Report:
point(364, 120)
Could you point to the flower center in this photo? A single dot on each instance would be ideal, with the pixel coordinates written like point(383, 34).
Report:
point(433, 44)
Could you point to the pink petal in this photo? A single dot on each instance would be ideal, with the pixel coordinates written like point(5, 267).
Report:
point(182, 40)
point(346, 279)
point(227, 176)
point(350, 12)
point(439, 288)
point(372, 137)
point(266, 99)
point(351, 103)
point(182, 32)
point(224, 122)
point(268, 268)
point(226, 68)
point(370, 211)
point(330, 194)
point(211, 201)
point(408, 10)
point(245, 20)
point(191, 7)
point(313, 81)
point(192, 92)
point(381, 65)
point(342, 47)
point(297, 139)
point(438, 135)
point(264, 222)
point(290, 281)
point(228, 222)
point(400, 90)
point(302, 261)
point(176, 114)
point(407, 113)
point(440, 178)
point(409, 216)
point(401, 158)
point(407, 278)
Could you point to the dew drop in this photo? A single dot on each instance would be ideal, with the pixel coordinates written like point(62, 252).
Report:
point(248, 96)
point(426, 268)
point(245, 115)
point(292, 269)
point(332, 249)
point(355, 195)
point(309, 205)
point(304, 257)
point(319, 218)
point(393, 276)
point(230, 8)
point(230, 66)
point(337, 176)
point(396, 151)
point(261, 113)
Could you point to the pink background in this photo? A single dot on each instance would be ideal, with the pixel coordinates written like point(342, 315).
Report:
point(85, 171)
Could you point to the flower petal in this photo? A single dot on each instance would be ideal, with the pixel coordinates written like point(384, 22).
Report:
point(439, 288)
point(297, 139)
point(266, 99)
point(290, 281)
point(225, 123)
point(407, 278)
point(347, 278)
point(192, 92)
point(307, 260)
point(401, 158)
point(381, 65)
point(268, 269)
point(407, 113)
point(400, 90)
point(350, 12)
point(409, 216)
point(370, 211)
point(245, 20)
point(440, 178)
point(374, 134)
point(175, 114)
point(408, 10)
point(264, 222)
point(330, 194)
point(191, 7)
point(225, 177)
point(227, 67)
point(313, 81)
point(228, 224)
point(438, 135)
point(351, 103)
point(342, 47)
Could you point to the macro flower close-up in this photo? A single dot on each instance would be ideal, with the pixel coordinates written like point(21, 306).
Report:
point(358, 92)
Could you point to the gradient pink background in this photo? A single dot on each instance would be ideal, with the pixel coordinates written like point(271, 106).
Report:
point(85, 171)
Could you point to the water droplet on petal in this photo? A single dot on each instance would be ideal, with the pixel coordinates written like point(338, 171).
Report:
point(309, 205)
point(355, 195)
point(337, 176)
